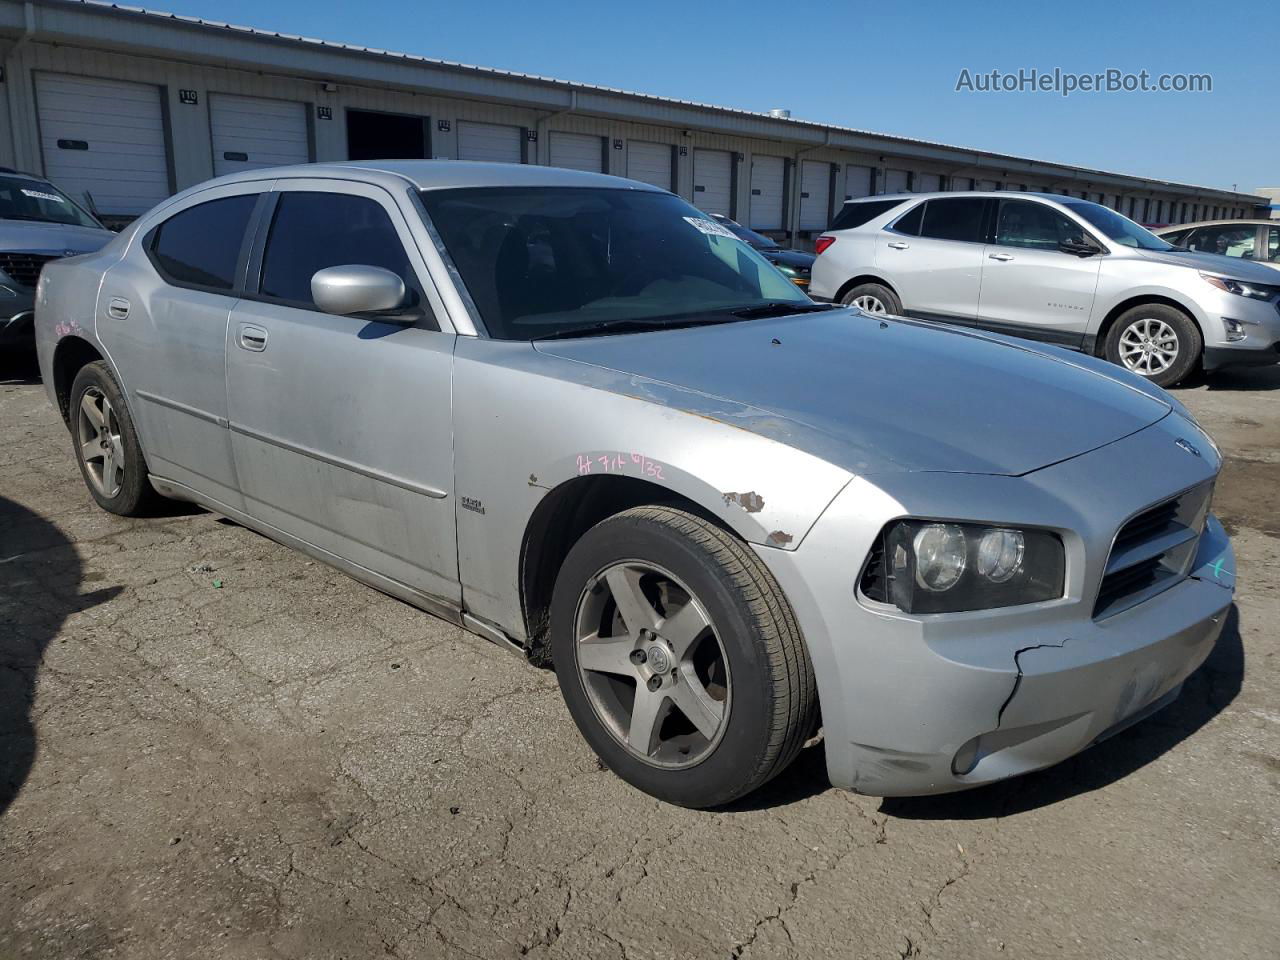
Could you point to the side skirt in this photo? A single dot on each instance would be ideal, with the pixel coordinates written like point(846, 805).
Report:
point(437, 606)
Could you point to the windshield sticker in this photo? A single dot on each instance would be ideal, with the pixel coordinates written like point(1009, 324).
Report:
point(709, 227)
point(43, 196)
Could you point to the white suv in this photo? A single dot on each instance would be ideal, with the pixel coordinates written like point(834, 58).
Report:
point(1051, 268)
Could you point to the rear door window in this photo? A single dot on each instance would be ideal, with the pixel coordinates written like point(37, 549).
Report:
point(200, 246)
point(311, 231)
point(954, 218)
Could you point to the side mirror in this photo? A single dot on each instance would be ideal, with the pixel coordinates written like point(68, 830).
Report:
point(1078, 246)
point(358, 288)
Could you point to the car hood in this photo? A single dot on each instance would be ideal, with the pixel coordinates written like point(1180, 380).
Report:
point(874, 395)
point(62, 239)
point(1234, 267)
point(791, 258)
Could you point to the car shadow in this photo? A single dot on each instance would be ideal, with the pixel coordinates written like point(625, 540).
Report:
point(1252, 379)
point(40, 582)
point(1207, 693)
point(19, 367)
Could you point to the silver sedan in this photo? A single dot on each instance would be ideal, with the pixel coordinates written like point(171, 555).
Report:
point(583, 420)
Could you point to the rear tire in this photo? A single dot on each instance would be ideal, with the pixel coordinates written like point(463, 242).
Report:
point(106, 444)
point(873, 298)
point(1155, 341)
point(724, 671)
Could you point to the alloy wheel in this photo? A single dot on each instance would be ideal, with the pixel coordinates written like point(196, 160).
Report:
point(1149, 347)
point(651, 664)
point(101, 444)
point(869, 304)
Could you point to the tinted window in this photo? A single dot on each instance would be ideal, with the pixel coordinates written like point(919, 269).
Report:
point(1024, 223)
point(954, 219)
point(1228, 241)
point(544, 262)
point(312, 231)
point(201, 245)
point(856, 214)
point(24, 199)
point(1175, 238)
point(1273, 244)
point(910, 224)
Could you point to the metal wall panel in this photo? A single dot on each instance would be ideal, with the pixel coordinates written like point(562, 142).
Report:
point(649, 163)
point(577, 151)
point(105, 138)
point(253, 132)
point(815, 194)
point(768, 183)
point(713, 181)
point(488, 141)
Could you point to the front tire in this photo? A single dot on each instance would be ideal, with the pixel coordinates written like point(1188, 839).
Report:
point(873, 298)
point(106, 444)
point(1155, 341)
point(679, 658)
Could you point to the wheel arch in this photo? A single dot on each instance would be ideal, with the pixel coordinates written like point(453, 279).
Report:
point(865, 278)
point(70, 356)
point(561, 518)
point(1138, 300)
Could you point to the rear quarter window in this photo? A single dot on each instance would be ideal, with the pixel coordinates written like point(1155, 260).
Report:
point(200, 246)
point(864, 211)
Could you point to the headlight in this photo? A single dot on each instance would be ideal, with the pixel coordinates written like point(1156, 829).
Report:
point(1242, 288)
point(928, 566)
point(789, 271)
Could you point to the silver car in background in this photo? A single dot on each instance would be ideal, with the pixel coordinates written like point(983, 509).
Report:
point(1057, 269)
point(572, 414)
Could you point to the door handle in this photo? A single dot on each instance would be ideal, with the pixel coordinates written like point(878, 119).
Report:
point(118, 308)
point(252, 338)
point(898, 245)
point(1000, 256)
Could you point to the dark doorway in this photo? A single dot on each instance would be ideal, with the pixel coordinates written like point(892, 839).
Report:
point(387, 136)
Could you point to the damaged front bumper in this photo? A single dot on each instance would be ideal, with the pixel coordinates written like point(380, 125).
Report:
point(916, 705)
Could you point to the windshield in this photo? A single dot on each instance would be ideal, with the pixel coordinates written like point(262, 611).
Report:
point(23, 199)
point(757, 240)
point(1118, 228)
point(548, 261)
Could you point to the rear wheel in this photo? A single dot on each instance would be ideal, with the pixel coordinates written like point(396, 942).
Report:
point(1155, 341)
point(873, 298)
point(106, 444)
point(679, 658)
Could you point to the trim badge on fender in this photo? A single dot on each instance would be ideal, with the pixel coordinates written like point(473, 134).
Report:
point(1187, 446)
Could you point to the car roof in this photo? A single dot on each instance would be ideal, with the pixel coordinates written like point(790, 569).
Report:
point(10, 172)
point(1031, 194)
point(1218, 223)
point(446, 174)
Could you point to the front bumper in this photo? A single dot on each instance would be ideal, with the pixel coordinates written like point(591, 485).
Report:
point(923, 705)
point(1258, 319)
point(16, 305)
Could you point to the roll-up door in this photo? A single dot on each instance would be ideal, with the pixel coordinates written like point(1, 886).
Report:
point(896, 181)
point(928, 183)
point(105, 138)
point(713, 181)
point(815, 194)
point(767, 179)
point(988, 185)
point(495, 142)
point(649, 163)
point(253, 132)
point(857, 181)
point(577, 151)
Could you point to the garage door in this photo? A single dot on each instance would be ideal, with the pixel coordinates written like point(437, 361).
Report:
point(488, 141)
point(767, 179)
point(928, 183)
point(895, 181)
point(577, 151)
point(649, 163)
point(988, 185)
point(815, 194)
point(105, 138)
point(857, 181)
point(713, 181)
point(253, 132)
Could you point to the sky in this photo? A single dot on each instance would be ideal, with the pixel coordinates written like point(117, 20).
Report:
point(886, 67)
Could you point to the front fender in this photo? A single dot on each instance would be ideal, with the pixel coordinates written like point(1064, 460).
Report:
point(520, 433)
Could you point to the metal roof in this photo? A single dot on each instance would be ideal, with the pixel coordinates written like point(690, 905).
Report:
point(778, 124)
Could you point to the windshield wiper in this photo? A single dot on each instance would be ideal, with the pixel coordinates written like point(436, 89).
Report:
point(780, 308)
point(632, 325)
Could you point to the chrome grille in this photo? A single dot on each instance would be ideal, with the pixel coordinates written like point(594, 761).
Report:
point(24, 268)
point(1153, 551)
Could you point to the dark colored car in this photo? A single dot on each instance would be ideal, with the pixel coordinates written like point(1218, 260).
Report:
point(38, 223)
point(794, 263)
